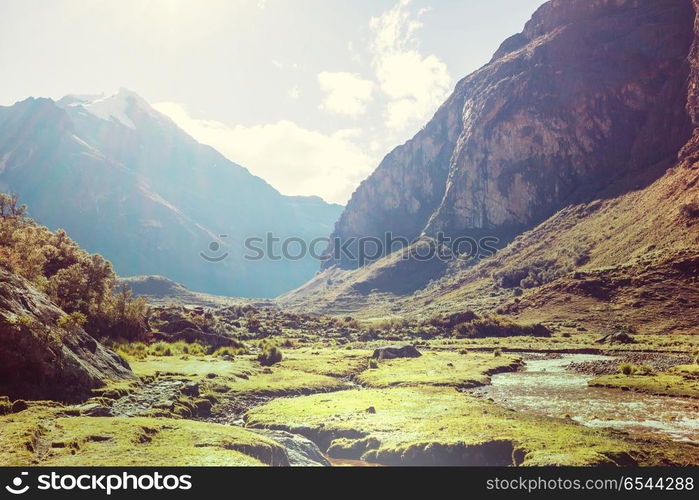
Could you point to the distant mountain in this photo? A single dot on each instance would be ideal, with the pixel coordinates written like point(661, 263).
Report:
point(578, 146)
point(160, 290)
point(124, 181)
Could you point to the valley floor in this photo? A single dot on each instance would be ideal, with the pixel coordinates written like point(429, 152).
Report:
point(462, 402)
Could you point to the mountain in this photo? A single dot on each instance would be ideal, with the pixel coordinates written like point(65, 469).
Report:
point(160, 290)
point(565, 111)
point(576, 146)
point(124, 181)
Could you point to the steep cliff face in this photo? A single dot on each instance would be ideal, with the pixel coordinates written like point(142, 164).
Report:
point(627, 259)
point(588, 101)
point(690, 152)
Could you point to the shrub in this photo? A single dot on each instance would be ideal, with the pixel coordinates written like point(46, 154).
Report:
point(690, 210)
point(373, 364)
point(226, 351)
point(129, 350)
point(72, 322)
point(497, 352)
point(352, 323)
point(194, 349)
point(495, 326)
point(254, 325)
point(542, 271)
point(160, 349)
point(269, 355)
point(627, 368)
point(75, 280)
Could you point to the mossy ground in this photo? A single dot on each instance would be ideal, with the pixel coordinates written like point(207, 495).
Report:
point(408, 412)
point(243, 375)
point(335, 362)
point(49, 435)
point(682, 380)
point(438, 369)
point(433, 425)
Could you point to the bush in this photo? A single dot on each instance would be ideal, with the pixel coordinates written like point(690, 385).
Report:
point(495, 326)
point(497, 352)
point(160, 349)
point(228, 351)
point(75, 280)
point(195, 349)
point(451, 320)
point(129, 350)
point(627, 368)
point(540, 272)
point(269, 355)
point(690, 210)
point(254, 325)
point(373, 364)
point(72, 321)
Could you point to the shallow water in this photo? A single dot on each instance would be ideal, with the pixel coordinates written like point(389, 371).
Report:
point(545, 387)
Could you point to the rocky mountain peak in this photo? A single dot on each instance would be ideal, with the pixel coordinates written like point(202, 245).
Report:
point(567, 111)
point(125, 107)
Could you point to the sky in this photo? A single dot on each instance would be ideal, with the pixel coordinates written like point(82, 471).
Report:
point(310, 95)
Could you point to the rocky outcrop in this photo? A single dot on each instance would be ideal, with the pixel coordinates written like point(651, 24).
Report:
point(567, 111)
point(396, 351)
point(301, 451)
point(40, 359)
point(689, 155)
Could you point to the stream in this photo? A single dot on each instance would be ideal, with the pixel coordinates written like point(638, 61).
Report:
point(545, 387)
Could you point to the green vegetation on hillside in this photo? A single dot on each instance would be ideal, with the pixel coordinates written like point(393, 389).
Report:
point(80, 283)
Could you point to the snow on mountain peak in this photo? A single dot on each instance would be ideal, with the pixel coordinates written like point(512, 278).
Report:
point(119, 106)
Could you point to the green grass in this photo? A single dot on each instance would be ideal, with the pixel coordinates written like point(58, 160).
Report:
point(44, 436)
point(242, 375)
point(682, 380)
point(435, 425)
point(278, 381)
point(438, 369)
point(335, 362)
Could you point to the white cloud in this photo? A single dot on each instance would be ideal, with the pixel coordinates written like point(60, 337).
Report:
point(346, 93)
point(294, 93)
point(295, 160)
point(415, 84)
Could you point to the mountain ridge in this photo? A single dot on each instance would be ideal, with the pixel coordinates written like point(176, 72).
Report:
point(151, 198)
point(544, 124)
point(622, 258)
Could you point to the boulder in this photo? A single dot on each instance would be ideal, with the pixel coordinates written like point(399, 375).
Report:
point(301, 451)
point(190, 389)
point(179, 325)
point(396, 351)
point(616, 338)
point(38, 359)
